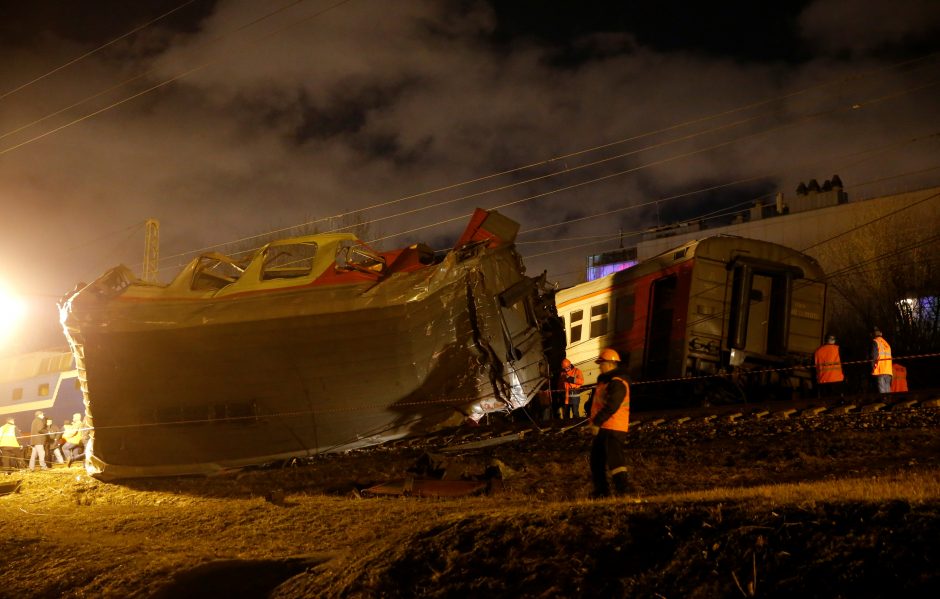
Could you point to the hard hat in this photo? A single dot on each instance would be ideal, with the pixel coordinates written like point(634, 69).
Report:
point(607, 355)
point(566, 363)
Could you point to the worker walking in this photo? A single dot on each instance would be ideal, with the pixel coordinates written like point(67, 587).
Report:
point(881, 361)
point(829, 375)
point(571, 380)
point(609, 420)
point(37, 440)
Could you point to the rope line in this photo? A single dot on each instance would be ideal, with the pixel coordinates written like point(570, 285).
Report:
point(450, 401)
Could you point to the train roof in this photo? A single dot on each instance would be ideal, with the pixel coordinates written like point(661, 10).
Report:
point(720, 248)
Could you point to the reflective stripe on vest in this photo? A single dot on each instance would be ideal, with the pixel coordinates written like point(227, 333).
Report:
point(620, 421)
point(828, 366)
point(883, 366)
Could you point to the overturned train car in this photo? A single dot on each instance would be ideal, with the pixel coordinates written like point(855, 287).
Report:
point(750, 310)
point(314, 344)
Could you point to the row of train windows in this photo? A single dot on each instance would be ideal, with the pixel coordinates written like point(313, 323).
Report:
point(42, 391)
point(599, 319)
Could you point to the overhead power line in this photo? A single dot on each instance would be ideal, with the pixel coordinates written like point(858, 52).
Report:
point(549, 161)
point(176, 77)
point(855, 76)
point(95, 51)
point(656, 162)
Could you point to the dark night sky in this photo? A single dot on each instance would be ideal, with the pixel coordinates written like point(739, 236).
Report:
point(247, 123)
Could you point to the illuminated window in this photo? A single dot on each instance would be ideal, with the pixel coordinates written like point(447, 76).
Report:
point(44, 390)
point(575, 333)
point(17, 393)
point(599, 320)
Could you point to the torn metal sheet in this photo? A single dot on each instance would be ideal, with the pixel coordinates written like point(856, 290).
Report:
point(426, 487)
point(485, 442)
point(312, 344)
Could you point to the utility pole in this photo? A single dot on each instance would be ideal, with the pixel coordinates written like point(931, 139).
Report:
point(151, 250)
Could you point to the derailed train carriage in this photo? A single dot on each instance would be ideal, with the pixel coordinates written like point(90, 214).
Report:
point(715, 320)
point(313, 344)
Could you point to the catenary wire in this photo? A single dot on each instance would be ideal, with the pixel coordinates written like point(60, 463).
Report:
point(94, 51)
point(545, 162)
point(166, 82)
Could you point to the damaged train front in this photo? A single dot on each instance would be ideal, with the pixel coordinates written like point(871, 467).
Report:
point(511, 316)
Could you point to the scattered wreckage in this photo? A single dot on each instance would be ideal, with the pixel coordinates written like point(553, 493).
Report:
point(313, 344)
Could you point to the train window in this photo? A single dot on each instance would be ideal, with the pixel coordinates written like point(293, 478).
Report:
point(288, 260)
point(17, 393)
point(624, 313)
point(575, 333)
point(44, 390)
point(599, 320)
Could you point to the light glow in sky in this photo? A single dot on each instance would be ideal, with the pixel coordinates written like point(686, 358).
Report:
point(12, 311)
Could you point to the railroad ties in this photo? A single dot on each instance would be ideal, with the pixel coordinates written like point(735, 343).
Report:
point(485, 437)
point(787, 410)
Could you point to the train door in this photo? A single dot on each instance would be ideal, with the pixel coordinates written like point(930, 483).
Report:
point(758, 314)
point(760, 309)
point(662, 309)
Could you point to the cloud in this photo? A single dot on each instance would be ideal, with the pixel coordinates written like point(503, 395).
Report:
point(861, 26)
point(299, 117)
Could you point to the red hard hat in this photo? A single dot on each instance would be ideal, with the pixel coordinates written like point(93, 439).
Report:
point(566, 363)
point(607, 355)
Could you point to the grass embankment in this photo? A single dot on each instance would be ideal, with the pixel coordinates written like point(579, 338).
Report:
point(68, 535)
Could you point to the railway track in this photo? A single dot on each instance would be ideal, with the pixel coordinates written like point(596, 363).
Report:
point(499, 431)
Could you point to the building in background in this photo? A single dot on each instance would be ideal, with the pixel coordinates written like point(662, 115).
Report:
point(607, 263)
point(807, 221)
point(879, 255)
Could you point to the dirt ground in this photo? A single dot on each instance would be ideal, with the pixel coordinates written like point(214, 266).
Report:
point(831, 506)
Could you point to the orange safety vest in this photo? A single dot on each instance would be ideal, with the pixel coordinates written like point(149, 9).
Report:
point(569, 387)
point(828, 364)
point(883, 365)
point(899, 379)
point(620, 421)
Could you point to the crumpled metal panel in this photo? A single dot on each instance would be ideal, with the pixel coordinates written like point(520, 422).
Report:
point(182, 381)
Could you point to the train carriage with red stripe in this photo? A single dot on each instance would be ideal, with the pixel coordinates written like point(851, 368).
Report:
point(729, 314)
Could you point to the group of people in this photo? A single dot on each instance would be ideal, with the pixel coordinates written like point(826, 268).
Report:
point(889, 376)
point(46, 443)
point(608, 410)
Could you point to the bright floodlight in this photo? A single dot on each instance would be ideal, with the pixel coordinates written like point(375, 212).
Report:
point(12, 310)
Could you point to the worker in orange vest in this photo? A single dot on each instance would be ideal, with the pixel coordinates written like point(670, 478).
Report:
point(829, 375)
point(570, 383)
point(898, 378)
point(881, 361)
point(609, 420)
